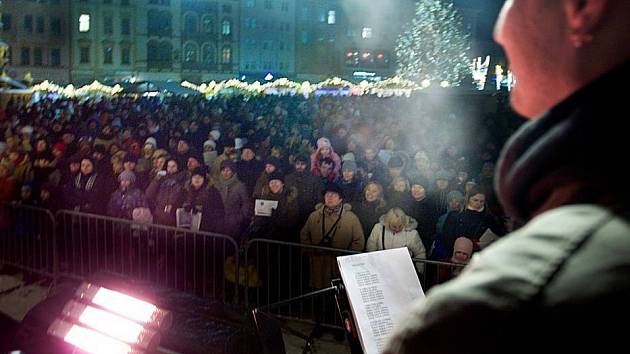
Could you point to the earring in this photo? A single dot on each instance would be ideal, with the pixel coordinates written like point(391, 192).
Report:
point(579, 39)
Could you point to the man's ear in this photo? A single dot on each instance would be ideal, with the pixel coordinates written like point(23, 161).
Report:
point(583, 16)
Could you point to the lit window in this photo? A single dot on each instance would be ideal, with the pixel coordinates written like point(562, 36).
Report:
point(332, 18)
point(84, 23)
point(366, 33)
point(226, 28)
point(226, 55)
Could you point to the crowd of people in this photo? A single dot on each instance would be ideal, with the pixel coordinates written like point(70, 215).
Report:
point(344, 172)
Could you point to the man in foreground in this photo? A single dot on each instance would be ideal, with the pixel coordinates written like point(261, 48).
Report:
point(562, 282)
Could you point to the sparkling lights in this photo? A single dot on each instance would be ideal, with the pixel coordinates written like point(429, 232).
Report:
point(434, 47)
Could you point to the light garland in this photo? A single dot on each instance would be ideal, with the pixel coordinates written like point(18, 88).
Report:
point(95, 88)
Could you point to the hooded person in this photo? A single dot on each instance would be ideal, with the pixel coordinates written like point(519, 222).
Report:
point(462, 253)
point(324, 150)
point(126, 198)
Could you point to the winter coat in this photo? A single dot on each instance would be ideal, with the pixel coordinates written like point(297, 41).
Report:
point(375, 171)
point(248, 173)
point(7, 192)
point(560, 282)
point(238, 207)
point(316, 157)
point(124, 201)
point(23, 171)
point(163, 193)
point(309, 192)
point(424, 213)
point(351, 190)
point(207, 201)
point(466, 223)
point(382, 238)
point(282, 224)
point(368, 214)
point(43, 167)
point(85, 194)
point(347, 235)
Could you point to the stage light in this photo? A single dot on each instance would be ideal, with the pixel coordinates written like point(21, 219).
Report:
point(107, 323)
point(124, 305)
point(88, 340)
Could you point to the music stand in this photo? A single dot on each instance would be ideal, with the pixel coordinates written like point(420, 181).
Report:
point(262, 318)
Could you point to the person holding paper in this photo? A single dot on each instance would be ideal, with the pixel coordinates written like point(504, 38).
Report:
point(559, 284)
point(281, 224)
point(396, 229)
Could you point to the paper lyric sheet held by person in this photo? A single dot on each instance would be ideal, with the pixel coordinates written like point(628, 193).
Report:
point(380, 287)
point(265, 207)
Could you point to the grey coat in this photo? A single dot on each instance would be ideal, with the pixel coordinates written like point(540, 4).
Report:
point(237, 205)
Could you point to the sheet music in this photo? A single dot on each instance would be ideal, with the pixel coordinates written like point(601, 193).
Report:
point(380, 286)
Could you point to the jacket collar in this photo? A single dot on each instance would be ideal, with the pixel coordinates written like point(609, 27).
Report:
point(571, 155)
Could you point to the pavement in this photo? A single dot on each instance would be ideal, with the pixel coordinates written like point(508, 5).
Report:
point(324, 345)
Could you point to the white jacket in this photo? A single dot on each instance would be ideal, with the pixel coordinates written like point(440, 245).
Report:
point(408, 237)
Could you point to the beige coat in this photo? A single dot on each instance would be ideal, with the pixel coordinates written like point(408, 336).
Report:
point(348, 236)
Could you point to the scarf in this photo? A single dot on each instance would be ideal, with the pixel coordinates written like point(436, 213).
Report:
point(571, 154)
point(329, 212)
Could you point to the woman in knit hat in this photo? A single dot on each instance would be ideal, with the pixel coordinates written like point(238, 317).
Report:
point(282, 224)
point(126, 198)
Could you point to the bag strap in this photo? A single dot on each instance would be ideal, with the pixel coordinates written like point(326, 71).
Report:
point(383, 237)
point(330, 235)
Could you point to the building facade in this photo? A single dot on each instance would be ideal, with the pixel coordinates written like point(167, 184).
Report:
point(103, 42)
point(349, 39)
point(38, 38)
point(267, 39)
point(201, 40)
point(155, 40)
point(209, 40)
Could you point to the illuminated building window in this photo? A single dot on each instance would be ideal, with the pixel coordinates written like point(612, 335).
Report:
point(366, 33)
point(84, 23)
point(332, 17)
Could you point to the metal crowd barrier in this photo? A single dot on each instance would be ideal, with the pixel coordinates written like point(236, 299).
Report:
point(275, 271)
point(77, 245)
point(28, 239)
point(181, 259)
